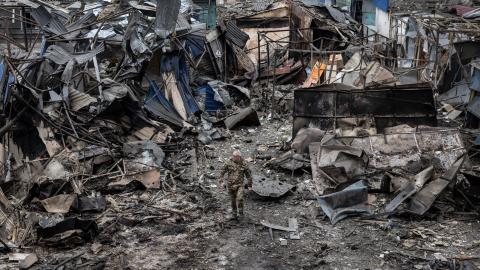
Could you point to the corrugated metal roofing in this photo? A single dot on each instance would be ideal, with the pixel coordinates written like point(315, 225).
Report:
point(236, 35)
point(47, 21)
point(261, 5)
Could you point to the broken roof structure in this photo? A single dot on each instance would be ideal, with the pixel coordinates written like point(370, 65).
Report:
point(118, 113)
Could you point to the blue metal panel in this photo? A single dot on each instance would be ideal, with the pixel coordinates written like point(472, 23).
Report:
point(178, 65)
point(158, 105)
point(206, 96)
point(381, 4)
point(154, 92)
point(5, 92)
point(195, 45)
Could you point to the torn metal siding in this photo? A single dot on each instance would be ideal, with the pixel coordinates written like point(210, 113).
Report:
point(182, 24)
point(47, 21)
point(157, 104)
point(177, 65)
point(166, 19)
point(60, 56)
point(323, 107)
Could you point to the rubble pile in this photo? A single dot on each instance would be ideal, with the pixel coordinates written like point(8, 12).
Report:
point(116, 116)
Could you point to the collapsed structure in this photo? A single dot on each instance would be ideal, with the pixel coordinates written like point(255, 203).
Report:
point(107, 98)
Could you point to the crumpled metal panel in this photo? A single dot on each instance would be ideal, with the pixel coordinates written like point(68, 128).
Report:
point(178, 65)
point(352, 160)
point(399, 149)
point(351, 201)
point(61, 56)
point(269, 187)
point(336, 14)
point(409, 189)
point(182, 24)
point(84, 19)
point(236, 35)
point(167, 14)
point(157, 104)
point(47, 21)
point(424, 199)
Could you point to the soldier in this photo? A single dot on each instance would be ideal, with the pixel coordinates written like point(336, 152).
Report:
point(236, 169)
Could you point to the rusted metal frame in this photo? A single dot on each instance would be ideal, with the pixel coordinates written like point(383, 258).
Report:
point(401, 58)
point(279, 41)
point(287, 30)
point(225, 69)
point(320, 60)
point(69, 119)
point(437, 59)
point(23, 17)
point(189, 59)
point(258, 49)
point(14, 42)
point(10, 123)
point(33, 45)
point(274, 81)
point(312, 61)
point(268, 63)
point(335, 100)
point(94, 40)
point(318, 52)
point(150, 26)
point(54, 125)
point(97, 70)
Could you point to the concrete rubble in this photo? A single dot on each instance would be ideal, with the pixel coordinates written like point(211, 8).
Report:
point(359, 119)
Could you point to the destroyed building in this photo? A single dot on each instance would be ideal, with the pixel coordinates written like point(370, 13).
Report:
point(359, 121)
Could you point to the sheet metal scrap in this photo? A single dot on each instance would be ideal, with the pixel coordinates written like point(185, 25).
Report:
point(400, 149)
point(166, 17)
point(351, 201)
point(236, 35)
point(244, 117)
point(289, 161)
point(424, 199)
point(70, 232)
point(269, 187)
point(351, 160)
point(410, 189)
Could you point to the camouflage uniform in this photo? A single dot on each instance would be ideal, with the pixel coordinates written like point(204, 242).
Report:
point(236, 171)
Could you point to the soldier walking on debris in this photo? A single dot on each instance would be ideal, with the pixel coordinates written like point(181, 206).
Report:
point(236, 169)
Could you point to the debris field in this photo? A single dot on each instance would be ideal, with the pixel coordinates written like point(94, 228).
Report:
point(359, 121)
